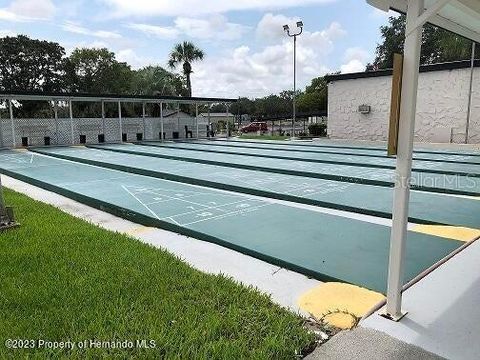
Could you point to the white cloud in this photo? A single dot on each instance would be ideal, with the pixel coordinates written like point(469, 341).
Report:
point(130, 57)
point(270, 27)
point(214, 27)
point(161, 32)
point(352, 66)
point(356, 53)
point(243, 72)
point(5, 33)
point(124, 8)
point(76, 28)
point(355, 59)
point(28, 10)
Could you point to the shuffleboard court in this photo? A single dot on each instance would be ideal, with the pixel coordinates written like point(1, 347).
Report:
point(328, 144)
point(433, 182)
point(325, 246)
point(429, 208)
point(360, 161)
point(374, 153)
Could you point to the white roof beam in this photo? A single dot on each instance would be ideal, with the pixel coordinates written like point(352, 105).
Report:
point(470, 7)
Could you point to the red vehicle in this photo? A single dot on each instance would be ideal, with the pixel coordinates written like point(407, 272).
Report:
point(254, 127)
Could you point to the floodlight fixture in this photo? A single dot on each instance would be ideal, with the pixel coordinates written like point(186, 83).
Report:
point(300, 24)
point(285, 28)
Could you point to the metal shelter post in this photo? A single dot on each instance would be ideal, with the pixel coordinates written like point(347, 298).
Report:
point(55, 115)
point(120, 120)
point(70, 111)
point(144, 124)
point(210, 126)
point(103, 118)
point(404, 159)
point(470, 95)
point(228, 121)
point(161, 122)
point(196, 119)
point(1, 129)
point(10, 109)
point(178, 119)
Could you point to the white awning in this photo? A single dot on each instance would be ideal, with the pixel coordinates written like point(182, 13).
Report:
point(459, 16)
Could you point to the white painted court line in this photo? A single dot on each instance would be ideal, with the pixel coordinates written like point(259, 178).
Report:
point(140, 201)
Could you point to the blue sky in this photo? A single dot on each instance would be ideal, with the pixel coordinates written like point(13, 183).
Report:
point(247, 52)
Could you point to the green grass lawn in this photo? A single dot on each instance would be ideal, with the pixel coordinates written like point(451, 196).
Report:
point(65, 279)
point(264, 137)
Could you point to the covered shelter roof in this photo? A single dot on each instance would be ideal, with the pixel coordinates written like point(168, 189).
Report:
point(459, 16)
point(62, 96)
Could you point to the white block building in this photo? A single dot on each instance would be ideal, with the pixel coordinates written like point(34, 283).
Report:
point(441, 106)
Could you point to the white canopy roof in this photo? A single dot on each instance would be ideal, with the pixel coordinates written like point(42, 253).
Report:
point(459, 16)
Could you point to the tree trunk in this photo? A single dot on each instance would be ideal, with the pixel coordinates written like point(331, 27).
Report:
point(189, 84)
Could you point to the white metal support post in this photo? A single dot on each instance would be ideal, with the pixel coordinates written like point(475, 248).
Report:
point(404, 159)
point(210, 125)
point(70, 111)
point(55, 115)
point(103, 118)
point(161, 122)
point(178, 119)
point(120, 120)
point(228, 120)
point(470, 94)
point(144, 124)
point(10, 109)
point(196, 119)
point(1, 129)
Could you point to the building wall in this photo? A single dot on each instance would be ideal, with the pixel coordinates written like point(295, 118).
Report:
point(441, 107)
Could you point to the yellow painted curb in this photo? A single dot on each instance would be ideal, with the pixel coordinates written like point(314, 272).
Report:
point(449, 232)
point(337, 297)
point(138, 230)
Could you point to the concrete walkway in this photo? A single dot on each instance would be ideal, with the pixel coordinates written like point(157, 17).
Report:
point(443, 309)
point(368, 344)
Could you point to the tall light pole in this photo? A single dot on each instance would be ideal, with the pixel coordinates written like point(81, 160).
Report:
point(286, 28)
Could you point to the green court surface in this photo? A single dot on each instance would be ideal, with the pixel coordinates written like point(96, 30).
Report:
point(373, 153)
point(329, 144)
point(361, 161)
point(434, 182)
point(425, 207)
point(325, 246)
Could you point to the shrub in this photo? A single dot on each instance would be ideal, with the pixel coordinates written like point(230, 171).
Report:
point(317, 129)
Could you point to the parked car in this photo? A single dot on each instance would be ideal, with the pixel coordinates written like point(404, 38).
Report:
point(254, 127)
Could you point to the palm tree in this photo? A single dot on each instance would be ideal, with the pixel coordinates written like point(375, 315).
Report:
point(185, 53)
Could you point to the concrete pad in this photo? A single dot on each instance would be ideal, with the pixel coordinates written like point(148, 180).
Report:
point(443, 309)
point(368, 344)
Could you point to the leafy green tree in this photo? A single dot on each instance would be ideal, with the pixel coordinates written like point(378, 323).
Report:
point(28, 64)
point(31, 65)
point(243, 106)
point(96, 71)
point(155, 80)
point(185, 53)
point(438, 45)
point(315, 97)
